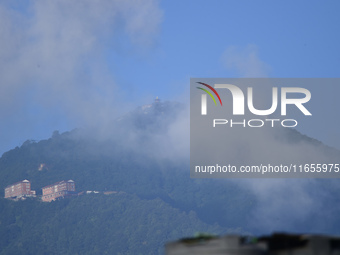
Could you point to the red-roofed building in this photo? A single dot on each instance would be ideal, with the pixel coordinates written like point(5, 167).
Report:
point(58, 190)
point(19, 190)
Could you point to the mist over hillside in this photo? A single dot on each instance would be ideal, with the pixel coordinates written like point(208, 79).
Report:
point(144, 157)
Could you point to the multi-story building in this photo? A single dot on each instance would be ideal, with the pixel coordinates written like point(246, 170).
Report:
point(19, 190)
point(58, 190)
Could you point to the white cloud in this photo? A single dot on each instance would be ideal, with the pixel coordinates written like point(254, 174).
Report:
point(245, 61)
point(281, 204)
point(53, 55)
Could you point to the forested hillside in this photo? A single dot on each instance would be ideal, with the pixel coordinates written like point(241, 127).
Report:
point(155, 199)
point(94, 224)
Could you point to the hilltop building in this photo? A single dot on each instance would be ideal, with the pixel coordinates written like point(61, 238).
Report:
point(58, 190)
point(19, 190)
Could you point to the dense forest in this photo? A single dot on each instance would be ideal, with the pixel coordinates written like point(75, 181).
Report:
point(152, 205)
point(94, 224)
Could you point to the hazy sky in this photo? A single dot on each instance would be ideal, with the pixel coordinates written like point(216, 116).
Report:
point(67, 64)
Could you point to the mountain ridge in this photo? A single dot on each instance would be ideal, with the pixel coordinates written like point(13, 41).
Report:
point(123, 162)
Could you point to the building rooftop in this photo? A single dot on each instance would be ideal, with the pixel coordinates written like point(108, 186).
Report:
point(26, 181)
point(56, 184)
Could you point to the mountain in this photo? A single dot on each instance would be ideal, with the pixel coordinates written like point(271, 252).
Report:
point(154, 200)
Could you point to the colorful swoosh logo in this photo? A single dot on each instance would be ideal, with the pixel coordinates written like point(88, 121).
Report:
point(209, 93)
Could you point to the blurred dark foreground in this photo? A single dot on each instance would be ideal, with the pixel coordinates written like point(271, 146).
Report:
point(276, 244)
